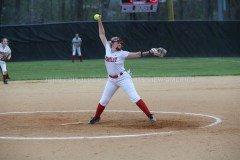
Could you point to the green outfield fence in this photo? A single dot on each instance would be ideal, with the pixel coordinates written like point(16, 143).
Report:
point(180, 38)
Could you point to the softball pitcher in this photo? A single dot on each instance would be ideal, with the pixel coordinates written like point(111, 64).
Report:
point(5, 55)
point(118, 77)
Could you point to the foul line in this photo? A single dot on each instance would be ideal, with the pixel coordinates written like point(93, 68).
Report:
point(216, 122)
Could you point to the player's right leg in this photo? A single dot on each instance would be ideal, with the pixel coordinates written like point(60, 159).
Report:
point(108, 92)
point(4, 71)
point(128, 87)
point(73, 53)
point(5, 78)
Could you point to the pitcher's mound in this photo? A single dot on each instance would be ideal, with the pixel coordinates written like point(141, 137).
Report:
point(76, 124)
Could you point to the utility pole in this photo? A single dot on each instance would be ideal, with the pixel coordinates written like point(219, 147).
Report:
point(170, 10)
point(1, 11)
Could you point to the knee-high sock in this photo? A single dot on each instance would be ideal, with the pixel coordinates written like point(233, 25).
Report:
point(72, 57)
point(80, 58)
point(143, 107)
point(99, 111)
point(4, 77)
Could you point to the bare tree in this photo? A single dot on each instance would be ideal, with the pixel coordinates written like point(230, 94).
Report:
point(208, 9)
point(17, 10)
point(51, 10)
point(72, 10)
point(1, 8)
point(181, 6)
point(31, 10)
point(79, 9)
point(237, 11)
point(28, 11)
point(63, 10)
point(104, 4)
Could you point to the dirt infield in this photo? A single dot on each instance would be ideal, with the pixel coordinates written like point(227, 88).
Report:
point(217, 96)
point(74, 124)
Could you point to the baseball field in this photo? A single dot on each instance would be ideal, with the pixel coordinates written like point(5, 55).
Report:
point(45, 108)
point(146, 67)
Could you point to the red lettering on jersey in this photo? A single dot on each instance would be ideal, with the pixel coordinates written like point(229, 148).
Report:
point(110, 59)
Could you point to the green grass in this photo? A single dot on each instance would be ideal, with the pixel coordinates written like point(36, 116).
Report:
point(146, 67)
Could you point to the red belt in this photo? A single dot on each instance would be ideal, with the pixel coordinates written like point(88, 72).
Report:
point(116, 76)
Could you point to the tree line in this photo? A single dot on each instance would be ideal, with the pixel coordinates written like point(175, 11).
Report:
point(15, 12)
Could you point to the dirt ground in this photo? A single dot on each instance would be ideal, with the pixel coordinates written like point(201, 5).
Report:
point(217, 96)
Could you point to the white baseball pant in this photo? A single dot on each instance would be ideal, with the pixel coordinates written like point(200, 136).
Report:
point(76, 49)
point(3, 66)
point(125, 82)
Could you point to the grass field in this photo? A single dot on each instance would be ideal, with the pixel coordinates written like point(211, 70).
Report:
point(148, 67)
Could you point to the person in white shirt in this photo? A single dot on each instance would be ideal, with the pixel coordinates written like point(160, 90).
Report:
point(118, 77)
point(76, 47)
point(5, 55)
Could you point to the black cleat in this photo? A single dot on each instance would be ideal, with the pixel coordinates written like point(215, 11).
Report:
point(94, 120)
point(5, 82)
point(152, 118)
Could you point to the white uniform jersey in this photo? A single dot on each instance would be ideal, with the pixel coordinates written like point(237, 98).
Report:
point(76, 42)
point(114, 62)
point(5, 50)
point(2, 63)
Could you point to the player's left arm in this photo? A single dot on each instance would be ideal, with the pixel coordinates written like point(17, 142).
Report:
point(158, 52)
point(134, 55)
point(138, 54)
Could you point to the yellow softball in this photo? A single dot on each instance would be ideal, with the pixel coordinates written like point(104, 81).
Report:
point(96, 16)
